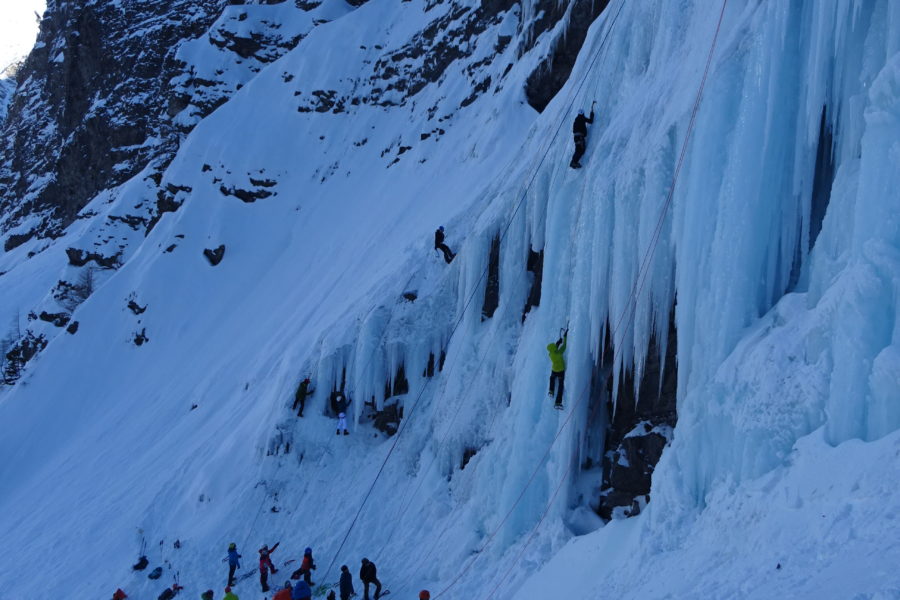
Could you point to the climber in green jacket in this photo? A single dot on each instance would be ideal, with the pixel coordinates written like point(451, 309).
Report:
point(558, 368)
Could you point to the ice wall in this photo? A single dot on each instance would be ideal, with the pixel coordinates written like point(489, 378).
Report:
point(780, 331)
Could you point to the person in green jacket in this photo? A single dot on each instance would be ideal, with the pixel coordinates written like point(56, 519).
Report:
point(300, 398)
point(558, 368)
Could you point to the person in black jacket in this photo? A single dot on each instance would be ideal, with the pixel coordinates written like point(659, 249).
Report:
point(300, 397)
point(369, 574)
point(339, 404)
point(579, 131)
point(346, 583)
point(440, 245)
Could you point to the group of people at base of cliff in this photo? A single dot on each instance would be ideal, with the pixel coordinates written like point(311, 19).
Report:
point(300, 590)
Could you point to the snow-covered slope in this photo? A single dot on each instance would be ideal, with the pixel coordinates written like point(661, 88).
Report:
point(324, 177)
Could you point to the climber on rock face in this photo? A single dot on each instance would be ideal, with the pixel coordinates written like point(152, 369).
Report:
point(579, 131)
point(300, 398)
point(558, 367)
point(440, 245)
point(339, 404)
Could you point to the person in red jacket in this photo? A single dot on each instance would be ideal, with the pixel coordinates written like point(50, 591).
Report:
point(265, 563)
point(284, 593)
point(307, 566)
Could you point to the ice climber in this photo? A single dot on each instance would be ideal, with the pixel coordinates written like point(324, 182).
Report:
point(284, 593)
point(301, 591)
point(308, 565)
point(346, 583)
point(119, 594)
point(300, 398)
point(265, 564)
point(558, 368)
point(440, 245)
point(339, 404)
point(229, 595)
point(233, 562)
point(368, 573)
point(579, 131)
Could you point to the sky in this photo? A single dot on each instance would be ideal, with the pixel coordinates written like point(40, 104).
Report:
point(18, 28)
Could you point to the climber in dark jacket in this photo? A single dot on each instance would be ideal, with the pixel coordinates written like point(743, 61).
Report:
point(339, 402)
point(346, 583)
point(369, 574)
point(579, 131)
point(300, 398)
point(440, 245)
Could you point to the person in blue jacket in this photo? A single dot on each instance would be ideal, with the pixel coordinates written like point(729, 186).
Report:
point(233, 562)
point(301, 591)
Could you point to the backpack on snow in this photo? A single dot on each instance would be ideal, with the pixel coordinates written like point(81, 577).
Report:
point(155, 573)
point(167, 594)
point(141, 564)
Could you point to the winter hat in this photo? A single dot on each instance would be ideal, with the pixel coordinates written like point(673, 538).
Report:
point(365, 560)
point(227, 589)
point(441, 227)
point(287, 585)
point(342, 415)
point(424, 595)
point(309, 550)
point(344, 568)
point(232, 546)
point(581, 111)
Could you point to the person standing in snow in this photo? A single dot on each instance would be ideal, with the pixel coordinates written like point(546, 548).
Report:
point(440, 245)
point(265, 563)
point(368, 574)
point(229, 595)
point(346, 583)
point(308, 565)
point(579, 131)
point(233, 562)
point(558, 367)
point(339, 404)
point(284, 593)
point(300, 398)
point(301, 591)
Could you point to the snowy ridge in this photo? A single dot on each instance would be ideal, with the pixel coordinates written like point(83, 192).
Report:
point(786, 320)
